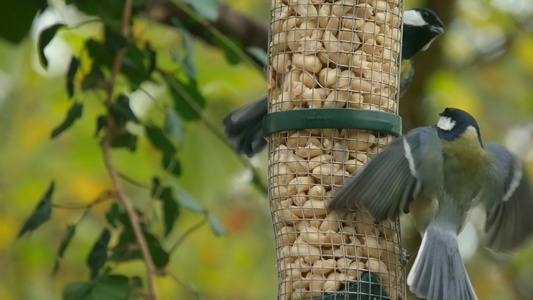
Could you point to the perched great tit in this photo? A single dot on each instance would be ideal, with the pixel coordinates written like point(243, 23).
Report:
point(244, 126)
point(438, 173)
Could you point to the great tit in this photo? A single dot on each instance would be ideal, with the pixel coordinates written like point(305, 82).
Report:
point(438, 173)
point(244, 126)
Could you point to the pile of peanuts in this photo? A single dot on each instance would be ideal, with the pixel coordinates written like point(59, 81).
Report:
point(327, 54)
point(320, 250)
point(330, 54)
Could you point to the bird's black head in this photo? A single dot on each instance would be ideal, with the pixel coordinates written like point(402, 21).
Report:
point(420, 27)
point(454, 122)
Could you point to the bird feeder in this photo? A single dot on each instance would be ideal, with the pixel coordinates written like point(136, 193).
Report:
point(333, 105)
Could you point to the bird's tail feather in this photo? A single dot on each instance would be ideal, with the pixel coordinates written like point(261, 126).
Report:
point(438, 272)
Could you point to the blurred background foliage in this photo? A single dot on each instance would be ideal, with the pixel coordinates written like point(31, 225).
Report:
point(483, 63)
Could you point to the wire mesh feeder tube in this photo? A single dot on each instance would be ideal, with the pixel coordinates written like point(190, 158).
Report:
point(324, 54)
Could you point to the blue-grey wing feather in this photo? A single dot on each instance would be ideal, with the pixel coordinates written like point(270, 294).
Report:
point(244, 126)
point(508, 200)
point(387, 184)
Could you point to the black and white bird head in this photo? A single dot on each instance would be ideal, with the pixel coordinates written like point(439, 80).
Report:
point(453, 123)
point(420, 27)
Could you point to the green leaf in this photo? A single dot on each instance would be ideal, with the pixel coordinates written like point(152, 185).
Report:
point(258, 53)
point(156, 186)
point(110, 12)
point(98, 255)
point(100, 124)
point(113, 40)
point(182, 91)
point(99, 52)
point(216, 226)
point(103, 287)
point(71, 73)
point(135, 65)
point(185, 199)
point(159, 140)
point(73, 114)
point(170, 209)
point(77, 291)
point(125, 140)
point(93, 80)
point(113, 214)
point(174, 126)
point(185, 57)
point(45, 37)
point(65, 241)
point(21, 13)
point(205, 8)
point(122, 252)
point(121, 111)
point(152, 58)
point(171, 164)
point(42, 213)
point(231, 56)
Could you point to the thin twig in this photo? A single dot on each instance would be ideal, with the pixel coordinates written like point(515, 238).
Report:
point(167, 272)
point(104, 196)
point(106, 149)
point(187, 233)
point(133, 181)
point(257, 181)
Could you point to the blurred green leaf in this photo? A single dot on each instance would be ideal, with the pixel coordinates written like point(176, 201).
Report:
point(103, 287)
point(170, 209)
point(174, 126)
point(113, 40)
point(98, 255)
point(205, 8)
point(171, 164)
point(121, 111)
point(159, 140)
point(135, 65)
point(156, 186)
point(21, 13)
point(42, 213)
point(185, 57)
point(77, 291)
point(125, 140)
point(112, 215)
point(99, 52)
point(152, 58)
point(100, 124)
point(258, 53)
point(123, 251)
point(71, 73)
point(110, 12)
point(45, 37)
point(216, 226)
point(73, 114)
point(94, 79)
point(185, 199)
point(183, 91)
point(231, 56)
point(65, 241)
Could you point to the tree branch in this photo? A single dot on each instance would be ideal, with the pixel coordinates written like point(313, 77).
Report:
point(250, 32)
point(106, 149)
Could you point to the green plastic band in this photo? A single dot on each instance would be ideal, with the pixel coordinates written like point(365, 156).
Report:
point(332, 118)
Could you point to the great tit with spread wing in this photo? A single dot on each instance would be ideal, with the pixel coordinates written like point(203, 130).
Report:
point(244, 126)
point(437, 174)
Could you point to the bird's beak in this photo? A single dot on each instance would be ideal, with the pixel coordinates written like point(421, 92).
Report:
point(436, 30)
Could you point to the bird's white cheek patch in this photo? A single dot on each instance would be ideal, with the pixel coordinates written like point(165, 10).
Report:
point(412, 17)
point(446, 123)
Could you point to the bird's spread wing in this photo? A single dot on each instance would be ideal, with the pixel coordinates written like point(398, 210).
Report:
point(245, 127)
point(508, 200)
point(391, 180)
